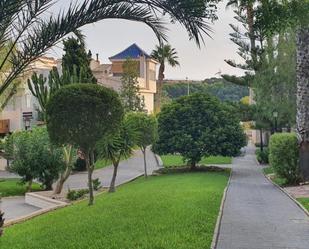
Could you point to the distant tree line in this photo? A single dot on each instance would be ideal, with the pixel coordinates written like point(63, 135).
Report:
point(223, 90)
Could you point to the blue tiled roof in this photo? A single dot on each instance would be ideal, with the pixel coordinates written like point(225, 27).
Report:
point(133, 52)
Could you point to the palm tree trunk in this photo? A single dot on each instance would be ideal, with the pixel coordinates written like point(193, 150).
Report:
point(29, 187)
point(63, 177)
point(158, 95)
point(303, 99)
point(112, 187)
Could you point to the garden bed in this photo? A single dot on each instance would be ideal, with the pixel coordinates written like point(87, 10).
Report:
point(169, 211)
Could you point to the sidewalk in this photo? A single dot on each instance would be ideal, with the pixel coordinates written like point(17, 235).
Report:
point(257, 215)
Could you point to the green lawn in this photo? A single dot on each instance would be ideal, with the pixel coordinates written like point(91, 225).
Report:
point(13, 187)
point(278, 180)
point(177, 211)
point(176, 160)
point(304, 202)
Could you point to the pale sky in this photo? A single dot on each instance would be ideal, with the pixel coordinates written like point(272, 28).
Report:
point(109, 37)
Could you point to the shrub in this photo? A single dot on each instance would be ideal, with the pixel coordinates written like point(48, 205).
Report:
point(74, 195)
point(34, 157)
point(196, 126)
point(262, 156)
point(96, 184)
point(284, 156)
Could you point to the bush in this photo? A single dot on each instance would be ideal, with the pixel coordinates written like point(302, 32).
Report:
point(96, 184)
point(34, 157)
point(262, 156)
point(284, 156)
point(74, 195)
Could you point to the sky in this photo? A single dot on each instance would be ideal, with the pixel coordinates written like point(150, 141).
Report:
point(109, 37)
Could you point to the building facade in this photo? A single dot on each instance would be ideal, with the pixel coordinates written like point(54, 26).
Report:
point(21, 112)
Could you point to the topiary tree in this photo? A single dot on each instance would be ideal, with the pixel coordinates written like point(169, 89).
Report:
point(81, 115)
point(117, 146)
point(147, 128)
point(196, 126)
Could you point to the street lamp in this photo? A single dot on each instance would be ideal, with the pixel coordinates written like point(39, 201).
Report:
point(275, 115)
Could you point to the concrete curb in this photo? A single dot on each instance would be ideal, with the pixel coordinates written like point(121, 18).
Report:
point(34, 214)
point(219, 219)
point(288, 194)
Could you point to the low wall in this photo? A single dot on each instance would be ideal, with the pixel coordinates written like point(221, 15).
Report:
point(41, 201)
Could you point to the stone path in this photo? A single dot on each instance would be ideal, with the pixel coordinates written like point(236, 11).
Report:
point(257, 215)
point(128, 170)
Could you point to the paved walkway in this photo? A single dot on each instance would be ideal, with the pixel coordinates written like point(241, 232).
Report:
point(257, 215)
point(127, 170)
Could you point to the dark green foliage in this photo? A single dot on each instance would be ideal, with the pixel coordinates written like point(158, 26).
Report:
point(96, 184)
point(81, 114)
point(80, 165)
point(76, 61)
point(197, 126)
point(34, 157)
point(221, 89)
point(130, 96)
point(284, 156)
point(74, 195)
point(262, 155)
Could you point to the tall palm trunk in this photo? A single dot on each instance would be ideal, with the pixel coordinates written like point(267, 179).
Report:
point(158, 96)
point(89, 157)
point(145, 161)
point(303, 99)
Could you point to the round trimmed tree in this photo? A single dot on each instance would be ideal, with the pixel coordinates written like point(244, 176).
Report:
point(81, 115)
point(196, 126)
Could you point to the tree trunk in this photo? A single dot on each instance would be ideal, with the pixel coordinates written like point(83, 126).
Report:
point(250, 21)
point(193, 166)
point(261, 140)
point(112, 187)
point(145, 162)
point(158, 96)
point(29, 187)
point(89, 163)
point(303, 99)
point(65, 175)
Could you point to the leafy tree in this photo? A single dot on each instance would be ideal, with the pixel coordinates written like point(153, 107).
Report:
point(196, 126)
point(117, 146)
point(76, 61)
point(1, 223)
point(163, 54)
point(80, 115)
point(44, 30)
point(146, 127)
point(130, 96)
point(34, 157)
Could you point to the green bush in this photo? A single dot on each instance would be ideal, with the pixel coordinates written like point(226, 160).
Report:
point(284, 156)
point(96, 184)
point(262, 156)
point(80, 165)
point(74, 195)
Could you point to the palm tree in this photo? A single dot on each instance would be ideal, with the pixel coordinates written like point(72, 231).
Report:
point(29, 31)
point(116, 147)
point(163, 54)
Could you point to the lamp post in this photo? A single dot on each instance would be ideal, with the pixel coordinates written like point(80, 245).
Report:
point(275, 115)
